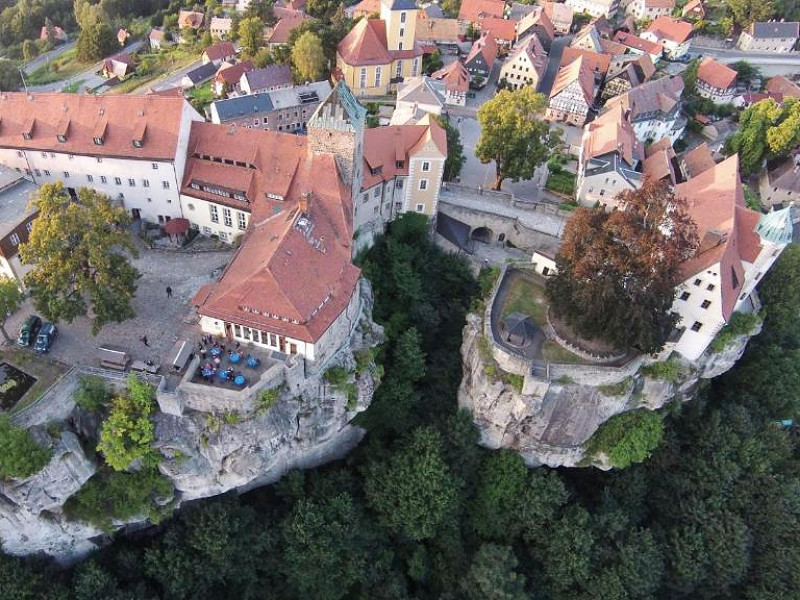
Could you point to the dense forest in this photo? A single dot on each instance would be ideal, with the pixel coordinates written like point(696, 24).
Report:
point(420, 511)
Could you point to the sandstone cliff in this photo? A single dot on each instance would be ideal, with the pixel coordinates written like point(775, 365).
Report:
point(548, 422)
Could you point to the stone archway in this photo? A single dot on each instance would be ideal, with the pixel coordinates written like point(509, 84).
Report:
point(482, 234)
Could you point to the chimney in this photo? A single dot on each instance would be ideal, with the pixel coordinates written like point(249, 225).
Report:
point(305, 200)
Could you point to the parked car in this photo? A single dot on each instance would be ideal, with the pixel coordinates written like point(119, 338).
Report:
point(46, 337)
point(28, 331)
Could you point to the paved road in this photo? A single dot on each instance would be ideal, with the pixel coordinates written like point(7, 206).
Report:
point(556, 51)
point(47, 56)
point(173, 80)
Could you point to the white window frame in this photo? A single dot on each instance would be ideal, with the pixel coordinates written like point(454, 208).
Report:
point(213, 213)
point(423, 185)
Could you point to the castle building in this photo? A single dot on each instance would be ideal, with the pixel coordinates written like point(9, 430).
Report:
point(378, 53)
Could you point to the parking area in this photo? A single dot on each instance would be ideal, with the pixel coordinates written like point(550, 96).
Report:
point(161, 319)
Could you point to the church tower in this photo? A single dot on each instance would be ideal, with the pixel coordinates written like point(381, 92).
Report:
point(400, 17)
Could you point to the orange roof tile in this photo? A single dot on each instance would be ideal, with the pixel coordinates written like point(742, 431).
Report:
point(220, 51)
point(455, 77)
point(671, 29)
point(162, 116)
point(637, 43)
point(698, 160)
point(537, 16)
point(190, 18)
point(365, 44)
point(578, 71)
point(485, 46)
point(233, 74)
point(782, 85)
point(597, 63)
point(283, 28)
point(366, 8)
point(715, 74)
point(612, 132)
point(499, 29)
point(475, 11)
point(659, 165)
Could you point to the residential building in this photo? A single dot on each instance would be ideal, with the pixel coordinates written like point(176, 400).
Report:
point(190, 19)
point(475, 11)
point(673, 34)
point(624, 75)
point(447, 33)
point(266, 79)
point(526, 65)
point(537, 23)
point(654, 109)
point(737, 248)
point(122, 36)
point(219, 53)
point(696, 160)
point(55, 34)
point(661, 165)
point(572, 94)
point(456, 83)
point(650, 9)
point(480, 60)
point(226, 82)
point(158, 38)
point(593, 34)
point(560, 16)
point(119, 66)
point(279, 35)
point(596, 8)
point(715, 81)
point(779, 185)
point(639, 45)
point(198, 76)
point(783, 86)
point(694, 10)
point(774, 36)
point(282, 110)
point(221, 27)
point(16, 221)
point(416, 97)
point(610, 160)
point(131, 148)
point(503, 31)
point(378, 53)
point(596, 62)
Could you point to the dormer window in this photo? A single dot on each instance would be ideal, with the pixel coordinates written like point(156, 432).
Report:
point(137, 143)
point(27, 129)
point(61, 138)
point(138, 133)
point(100, 131)
point(98, 141)
point(400, 164)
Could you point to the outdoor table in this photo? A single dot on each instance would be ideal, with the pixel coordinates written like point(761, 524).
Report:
point(216, 351)
point(223, 375)
point(235, 357)
point(240, 380)
point(207, 372)
point(252, 362)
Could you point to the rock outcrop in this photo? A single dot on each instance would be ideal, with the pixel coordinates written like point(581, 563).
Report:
point(547, 422)
point(204, 453)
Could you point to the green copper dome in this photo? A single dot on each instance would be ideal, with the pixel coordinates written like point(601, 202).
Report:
point(776, 226)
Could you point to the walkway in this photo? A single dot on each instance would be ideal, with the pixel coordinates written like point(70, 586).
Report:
point(534, 350)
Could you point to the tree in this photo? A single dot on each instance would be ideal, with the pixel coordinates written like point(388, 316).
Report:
point(414, 491)
point(513, 135)
point(492, 576)
point(766, 130)
point(747, 11)
point(432, 62)
point(746, 73)
point(29, 50)
point(96, 41)
point(127, 432)
point(455, 150)
point(308, 58)
point(11, 298)
point(206, 40)
point(251, 34)
point(780, 291)
point(20, 455)
point(617, 271)
point(10, 79)
point(322, 9)
point(80, 252)
point(628, 438)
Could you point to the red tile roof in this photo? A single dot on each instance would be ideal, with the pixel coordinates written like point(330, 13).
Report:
point(122, 115)
point(697, 160)
point(220, 51)
point(499, 29)
point(292, 274)
point(637, 43)
point(715, 202)
point(715, 74)
point(475, 11)
point(283, 28)
point(671, 29)
point(695, 7)
point(189, 18)
point(612, 132)
point(595, 62)
point(455, 77)
point(365, 44)
point(233, 74)
point(485, 46)
point(539, 17)
point(781, 85)
point(366, 8)
point(579, 71)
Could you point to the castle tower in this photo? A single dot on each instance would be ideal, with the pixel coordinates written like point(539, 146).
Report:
point(400, 17)
point(337, 127)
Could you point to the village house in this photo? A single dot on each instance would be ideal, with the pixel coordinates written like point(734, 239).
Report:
point(416, 97)
point(649, 9)
point(610, 160)
point(715, 81)
point(266, 79)
point(475, 11)
point(220, 27)
point(660, 164)
point(283, 109)
point(737, 247)
point(131, 148)
point(228, 77)
point(525, 65)
point(597, 63)
point(364, 9)
point(17, 215)
point(560, 16)
point(54, 34)
point(639, 45)
point(456, 83)
point(773, 36)
point(279, 35)
point(781, 85)
point(596, 8)
point(573, 93)
point(593, 35)
point(377, 53)
point(779, 186)
point(444, 33)
point(198, 76)
point(119, 66)
point(696, 160)
point(158, 38)
point(624, 75)
point(190, 19)
point(673, 34)
point(219, 53)
point(503, 31)
point(694, 10)
point(480, 60)
point(122, 36)
point(537, 23)
point(654, 109)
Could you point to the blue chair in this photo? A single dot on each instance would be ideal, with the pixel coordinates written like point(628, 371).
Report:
point(235, 357)
point(252, 361)
point(223, 375)
point(240, 380)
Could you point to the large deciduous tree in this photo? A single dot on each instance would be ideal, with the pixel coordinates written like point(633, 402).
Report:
point(11, 298)
point(617, 271)
point(747, 11)
point(455, 150)
point(308, 57)
point(513, 135)
point(766, 130)
point(96, 41)
point(80, 253)
point(251, 34)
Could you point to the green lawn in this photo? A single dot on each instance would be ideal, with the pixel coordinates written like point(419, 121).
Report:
point(45, 370)
point(562, 182)
point(554, 353)
point(63, 67)
point(527, 297)
point(201, 96)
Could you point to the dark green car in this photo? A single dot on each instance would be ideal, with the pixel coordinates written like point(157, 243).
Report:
point(29, 330)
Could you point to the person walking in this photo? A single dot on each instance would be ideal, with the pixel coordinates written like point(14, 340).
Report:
point(169, 292)
point(144, 341)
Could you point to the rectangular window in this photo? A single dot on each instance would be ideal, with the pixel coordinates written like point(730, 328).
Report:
point(377, 192)
point(377, 76)
point(399, 72)
point(165, 185)
point(241, 219)
point(402, 18)
point(705, 304)
point(696, 326)
point(29, 226)
point(66, 174)
point(402, 32)
point(99, 159)
point(46, 173)
point(415, 68)
point(38, 173)
point(146, 182)
point(426, 166)
point(685, 296)
point(363, 82)
point(132, 182)
point(212, 209)
point(89, 178)
point(14, 239)
point(206, 230)
point(423, 184)
point(420, 208)
point(711, 286)
point(227, 218)
point(698, 281)
point(155, 166)
point(273, 340)
point(117, 180)
point(102, 179)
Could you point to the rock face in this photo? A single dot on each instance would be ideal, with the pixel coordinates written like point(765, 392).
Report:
point(204, 453)
point(547, 422)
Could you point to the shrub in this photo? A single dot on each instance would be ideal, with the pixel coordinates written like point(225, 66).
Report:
point(336, 375)
point(267, 398)
point(668, 370)
point(93, 393)
point(740, 324)
point(20, 455)
point(627, 438)
point(339, 378)
point(112, 496)
point(364, 360)
point(127, 432)
point(487, 278)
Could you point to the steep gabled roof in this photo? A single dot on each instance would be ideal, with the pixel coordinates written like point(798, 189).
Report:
point(578, 71)
point(474, 11)
point(637, 43)
point(774, 29)
point(486, 47)
point(781, 85)
point(539, 17)
point(697, 160)
point(455, 77)
point(597, 63)
point(661, 95)
point(220, 51)
point(612, 132)
point(365, 44)
point(499, 29)
point(532, 48)
point(715, 74)
point(672, 29)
